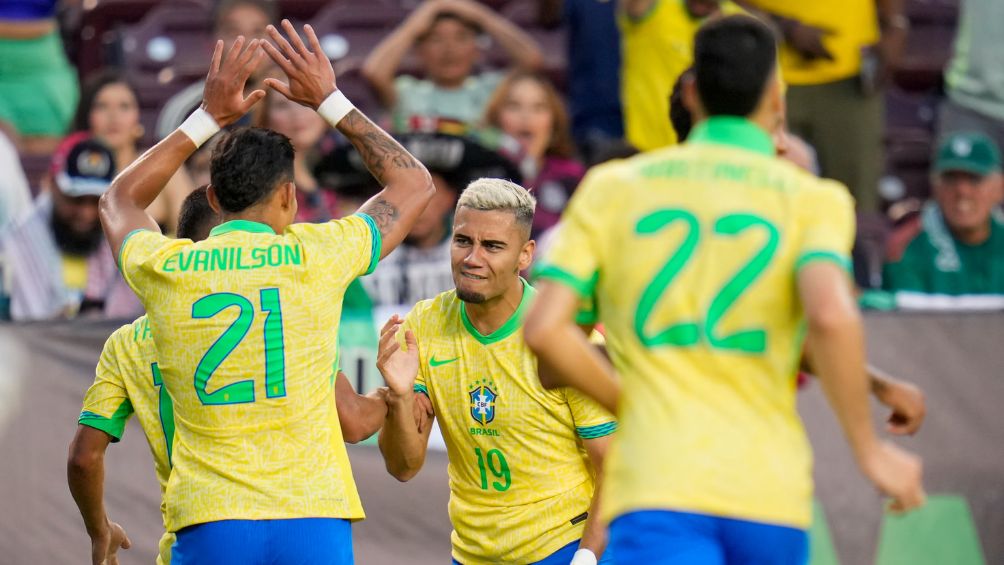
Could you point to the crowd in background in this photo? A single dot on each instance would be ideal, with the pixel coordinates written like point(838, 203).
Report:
point(471, 92)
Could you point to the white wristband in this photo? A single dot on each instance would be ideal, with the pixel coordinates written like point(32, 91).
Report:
point(335, 107)
point(583, 557)
point(199, 127)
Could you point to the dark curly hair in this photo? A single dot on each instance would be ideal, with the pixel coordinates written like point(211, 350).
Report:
point(247, 165)
point(197, 217)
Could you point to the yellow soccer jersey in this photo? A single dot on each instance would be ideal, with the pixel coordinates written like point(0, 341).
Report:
point(692, 253)
point(128, 380)
point(520, 481)
point(246, 324)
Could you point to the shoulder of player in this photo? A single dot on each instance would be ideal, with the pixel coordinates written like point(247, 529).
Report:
point(435, 309)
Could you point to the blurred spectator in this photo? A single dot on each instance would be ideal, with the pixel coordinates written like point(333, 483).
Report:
point(306, 129)
point(109, 111)
point(445, 34)
point(658, 45)
point(15, 195)
point(528, 108)
point(232, 18)
point(38, 87)
point(59, 264)
point(975, 75)
point(594, 66)
point(956, 247)
point(836, 56)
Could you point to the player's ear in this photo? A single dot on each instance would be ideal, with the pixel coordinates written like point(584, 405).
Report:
point(692, 100)
point(214, 202)
point(526, 255)
point(287, 195)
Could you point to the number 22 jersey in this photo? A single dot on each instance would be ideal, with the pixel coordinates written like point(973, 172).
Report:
point(693, 254)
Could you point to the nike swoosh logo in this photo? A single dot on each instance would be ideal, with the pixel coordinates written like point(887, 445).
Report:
point(436, 363)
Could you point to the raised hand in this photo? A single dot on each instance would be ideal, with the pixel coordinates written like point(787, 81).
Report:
point(223, 96)
point(398, 367)
point(311, 76)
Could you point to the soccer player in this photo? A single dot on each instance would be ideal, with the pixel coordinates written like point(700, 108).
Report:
point(709, 261)
point(129, 381)
point(523, 460)
point(245, 323)
point(905, 399)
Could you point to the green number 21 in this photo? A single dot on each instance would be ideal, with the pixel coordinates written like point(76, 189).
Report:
point(275, 351)
point(500, 469)
point(689, 333)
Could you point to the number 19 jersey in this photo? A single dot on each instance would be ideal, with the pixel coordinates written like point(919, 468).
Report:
point(692, 253)
point(246, 324)
point(520, 481)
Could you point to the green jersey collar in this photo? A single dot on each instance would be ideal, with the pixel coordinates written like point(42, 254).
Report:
point(512, 324)
point(734, 131)
point(241, 225)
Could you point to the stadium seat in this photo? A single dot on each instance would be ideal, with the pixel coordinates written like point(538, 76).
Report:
point(99, 27)
point(928, 50)
point(905, 111)
point(943, 12)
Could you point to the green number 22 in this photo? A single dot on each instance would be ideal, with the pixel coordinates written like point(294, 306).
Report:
point(499, 469)
point(689, 333)
point(275, 351)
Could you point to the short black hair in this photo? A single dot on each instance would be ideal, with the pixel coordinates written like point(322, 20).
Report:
point(679, 115)
point(734, 57)
point(197, 217)
point(247, 165)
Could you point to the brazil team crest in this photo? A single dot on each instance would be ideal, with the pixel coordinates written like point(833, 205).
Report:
point(483, 402)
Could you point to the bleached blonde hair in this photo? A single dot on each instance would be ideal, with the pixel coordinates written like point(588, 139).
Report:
point(488, 194)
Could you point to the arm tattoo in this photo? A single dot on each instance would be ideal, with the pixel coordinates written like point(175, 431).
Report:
point(379, 151)
point(383, 213)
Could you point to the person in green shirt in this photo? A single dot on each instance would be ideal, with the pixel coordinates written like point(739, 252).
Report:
point(956, 246)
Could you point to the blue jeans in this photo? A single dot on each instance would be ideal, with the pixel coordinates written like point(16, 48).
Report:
point(305, 541)
point(663, 536)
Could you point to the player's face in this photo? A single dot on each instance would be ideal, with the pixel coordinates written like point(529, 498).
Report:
point(488, 251)
point(114, 117)
point(527, 116)
point(302, 125)
point(448, 52)
point(967, 200)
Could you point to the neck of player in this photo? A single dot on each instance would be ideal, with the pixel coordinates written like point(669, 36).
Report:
point(490, 315)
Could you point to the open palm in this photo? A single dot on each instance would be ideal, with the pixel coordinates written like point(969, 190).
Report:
point(398, 366)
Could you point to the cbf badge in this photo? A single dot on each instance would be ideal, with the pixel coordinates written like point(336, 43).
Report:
point(483, 402)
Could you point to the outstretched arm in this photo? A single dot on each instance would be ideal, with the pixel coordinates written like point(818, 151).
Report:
point(905, 399)
point(836, 346)
point(567, 357)
point(85, 473)
point(407, 185)
point(123, 207)
point(359, 415)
